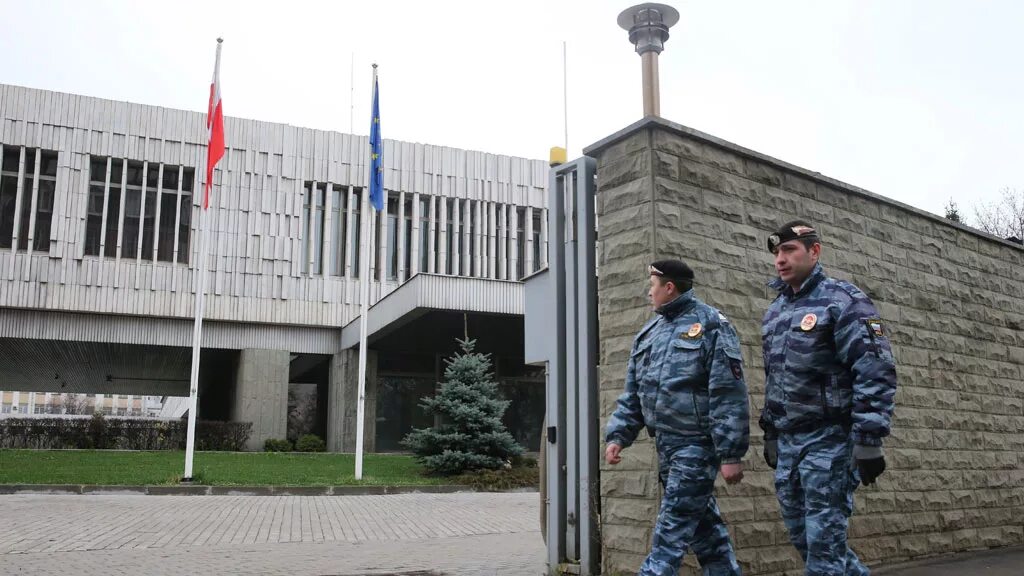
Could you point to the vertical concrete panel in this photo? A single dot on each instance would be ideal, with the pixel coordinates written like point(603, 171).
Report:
point(343, 392)
point(261, 394)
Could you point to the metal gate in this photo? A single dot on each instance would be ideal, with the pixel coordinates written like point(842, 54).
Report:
point(561, 333)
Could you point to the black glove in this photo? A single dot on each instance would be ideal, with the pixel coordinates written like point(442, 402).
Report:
point(771, 452)
point(870, 462)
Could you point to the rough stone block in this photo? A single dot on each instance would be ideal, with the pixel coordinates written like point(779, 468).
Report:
point(723, 206)
point(618, 171)
point(678, 146)
point(622, 484)
point(878, 548)
point(800, 184)
point(627, 194)
point(639, 511)
point(632, 143)
point(666, 165)
point(628, 219)
point(722, 159)
point(626, 244)
point(678, 193)
point(761, 172)
point(753, 534)
point(626, 537)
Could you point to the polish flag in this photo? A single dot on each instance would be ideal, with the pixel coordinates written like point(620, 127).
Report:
point(214, 128)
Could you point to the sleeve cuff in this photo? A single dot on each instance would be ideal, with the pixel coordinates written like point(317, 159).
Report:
point(731, 460)
point(616, 439)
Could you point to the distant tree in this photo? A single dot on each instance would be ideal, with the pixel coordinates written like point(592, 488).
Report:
point(72, 404)
point(1003, 218)
point(953, 212)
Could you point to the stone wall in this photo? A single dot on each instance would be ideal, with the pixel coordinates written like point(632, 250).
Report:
point(951, 298)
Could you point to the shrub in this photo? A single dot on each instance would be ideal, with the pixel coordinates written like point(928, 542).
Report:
point(275, 445)
point(99, 433)
point(499, 480)
point(310, 443)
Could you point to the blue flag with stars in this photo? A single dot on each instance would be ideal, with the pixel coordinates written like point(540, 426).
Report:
point(376, 154)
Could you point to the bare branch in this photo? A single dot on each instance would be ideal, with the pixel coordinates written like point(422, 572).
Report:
point(1003, 218)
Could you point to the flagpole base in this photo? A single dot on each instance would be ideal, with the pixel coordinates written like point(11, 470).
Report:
point(187, 481)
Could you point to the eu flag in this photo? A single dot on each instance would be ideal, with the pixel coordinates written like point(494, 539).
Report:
point(376, 153)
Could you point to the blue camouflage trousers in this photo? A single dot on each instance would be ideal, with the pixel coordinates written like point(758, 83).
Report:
point(815, 483)
point(689, 516)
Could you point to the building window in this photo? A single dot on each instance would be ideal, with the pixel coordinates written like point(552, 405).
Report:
point(424, 238)
point(391, 266)
point(313, 210)
point(355, 198)
point(133, 207)
point(520, 243)
point(408, 236)
point(473, 225)
point(339, 218)
point(454, 238)
point(536, 241)
point(46, 162)
point(145, 195)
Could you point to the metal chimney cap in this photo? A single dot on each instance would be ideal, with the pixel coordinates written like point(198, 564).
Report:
point(648, 25)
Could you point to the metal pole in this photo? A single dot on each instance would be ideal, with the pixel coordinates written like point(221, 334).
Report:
point(587, 352)
point(197, 338)
point(652, 98)
point(556, 398)
point(565, 95)
point(364, 302)
point(197, 329)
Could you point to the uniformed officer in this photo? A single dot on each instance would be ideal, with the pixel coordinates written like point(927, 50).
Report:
point(684, 383)
point(830, 383)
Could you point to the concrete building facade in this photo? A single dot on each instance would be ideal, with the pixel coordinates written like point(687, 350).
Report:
point(48, 404)
point(99, 229)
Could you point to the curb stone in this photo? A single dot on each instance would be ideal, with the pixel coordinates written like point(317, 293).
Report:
point(203, 490)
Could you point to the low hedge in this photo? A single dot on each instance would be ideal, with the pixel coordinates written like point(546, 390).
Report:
point(101, 433)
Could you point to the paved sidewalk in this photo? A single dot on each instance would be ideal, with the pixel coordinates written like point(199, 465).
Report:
point(462, 533)
point(1000, 562)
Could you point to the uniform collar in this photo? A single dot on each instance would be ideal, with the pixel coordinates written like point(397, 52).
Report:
point(817, 275)
point(678, 306)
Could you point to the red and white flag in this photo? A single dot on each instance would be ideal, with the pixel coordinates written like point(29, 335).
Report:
point(214, 129)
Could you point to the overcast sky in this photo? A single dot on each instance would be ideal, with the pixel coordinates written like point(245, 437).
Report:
point(919, 100)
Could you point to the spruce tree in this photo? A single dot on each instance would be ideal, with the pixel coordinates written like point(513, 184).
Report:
point(471, 435)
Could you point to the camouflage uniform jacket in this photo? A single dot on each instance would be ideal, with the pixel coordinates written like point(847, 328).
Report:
point(685, 379)
point(827, 359)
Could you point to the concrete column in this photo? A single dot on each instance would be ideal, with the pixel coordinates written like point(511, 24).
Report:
point(343, 394)
point(261, 394)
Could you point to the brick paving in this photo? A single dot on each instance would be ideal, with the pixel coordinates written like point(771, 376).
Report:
point(109, 535)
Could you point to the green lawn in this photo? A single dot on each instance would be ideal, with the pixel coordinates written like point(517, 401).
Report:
point(211, 468)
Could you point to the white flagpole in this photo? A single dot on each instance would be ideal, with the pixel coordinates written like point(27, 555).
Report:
point(364, 298)
point(197, 329)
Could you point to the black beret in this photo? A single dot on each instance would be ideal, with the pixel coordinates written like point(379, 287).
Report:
point(791, 231)
point(672, 269)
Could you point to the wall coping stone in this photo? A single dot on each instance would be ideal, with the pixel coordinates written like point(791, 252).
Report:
point(654, 122)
